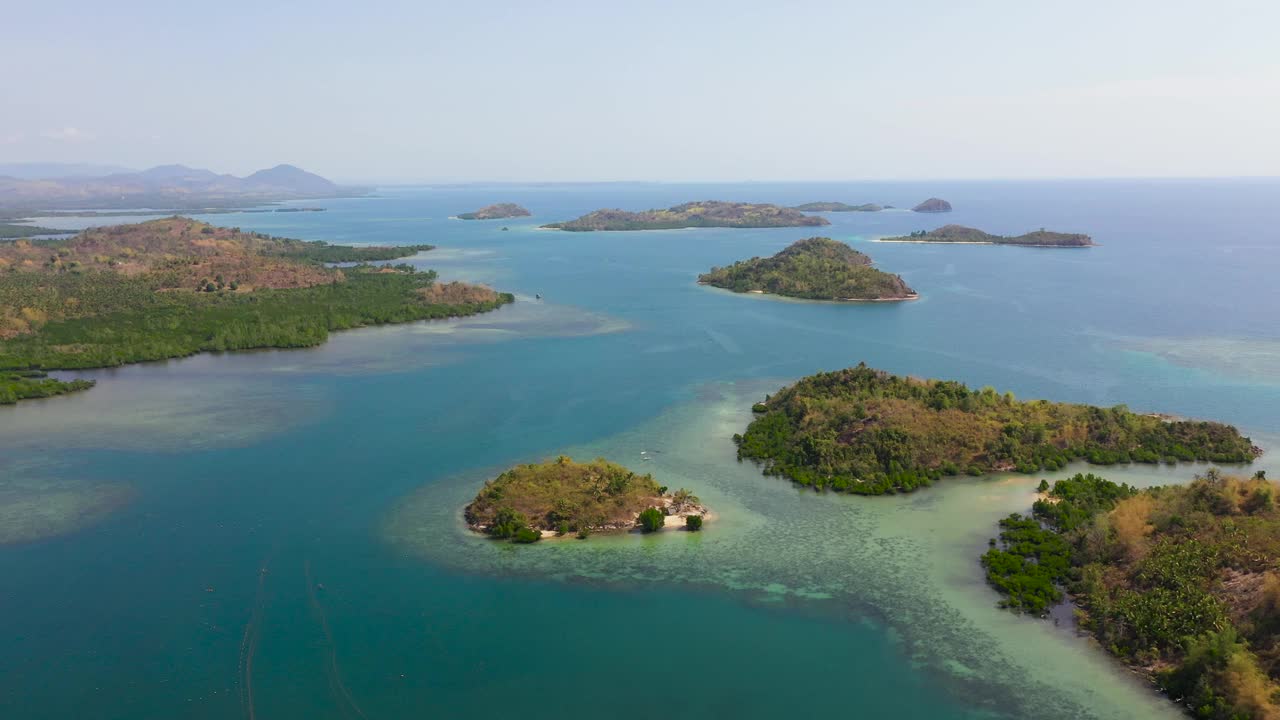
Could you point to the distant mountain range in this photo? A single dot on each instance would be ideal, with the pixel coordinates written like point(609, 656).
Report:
point(51, 186)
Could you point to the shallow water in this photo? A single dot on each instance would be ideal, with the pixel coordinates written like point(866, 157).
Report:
point(255, 478)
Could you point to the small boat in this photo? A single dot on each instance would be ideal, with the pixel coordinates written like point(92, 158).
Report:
point(537, 296)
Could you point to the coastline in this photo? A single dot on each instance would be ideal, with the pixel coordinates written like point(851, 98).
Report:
point(979, 242)
point(675, 522)
point(908, 298)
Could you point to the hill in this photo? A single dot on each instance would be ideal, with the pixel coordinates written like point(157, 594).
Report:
point(495, 212)
point(865, 431)
point(818, 268)
point(710, 213)
point(933, 205)
point(564, 496)
point(173, 186)
point(174, 287)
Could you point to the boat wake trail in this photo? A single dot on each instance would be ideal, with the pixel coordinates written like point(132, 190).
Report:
point(249, 642)
point(343, 695)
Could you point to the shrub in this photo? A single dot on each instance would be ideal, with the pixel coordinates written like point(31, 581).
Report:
point(526, 535)
point(652, 519)
point(693, 523)
point(507, 523)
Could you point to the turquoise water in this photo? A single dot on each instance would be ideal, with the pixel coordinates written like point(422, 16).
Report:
point(255, 478)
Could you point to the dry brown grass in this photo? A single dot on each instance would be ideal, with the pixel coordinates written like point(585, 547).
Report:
point(457, 293)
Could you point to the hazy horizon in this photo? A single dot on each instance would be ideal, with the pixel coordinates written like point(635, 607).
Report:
point(433, 93)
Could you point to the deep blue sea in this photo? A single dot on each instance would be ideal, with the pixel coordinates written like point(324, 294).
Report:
point(276, 534)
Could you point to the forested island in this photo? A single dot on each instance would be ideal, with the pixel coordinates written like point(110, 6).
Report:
point(710, 213)
point(174, 287)
point(974, 236)
point(868, 432)
point(8, 231)
point(562, 497)
point(1182, 583)
point(495, 212)
point(817, 268)
point(838, 207)
point(933, 205)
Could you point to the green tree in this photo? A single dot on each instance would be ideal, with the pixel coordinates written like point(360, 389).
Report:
point(652, 519)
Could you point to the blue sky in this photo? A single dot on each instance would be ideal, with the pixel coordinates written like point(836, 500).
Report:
point(480, 90)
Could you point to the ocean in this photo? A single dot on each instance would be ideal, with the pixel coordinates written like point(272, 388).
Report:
point(277, 534)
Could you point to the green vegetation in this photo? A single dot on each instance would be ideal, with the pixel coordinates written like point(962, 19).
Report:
point(174, 287)
point(1181, 583)
point(494, 212)
point(693, 523)
point(566, 497)
point(838, 207)
point(710, 213)
point(865, 431)
point(817, 268)
point(651, 520)
point(9, 231)
point(27, 384)
point(1031, 561)
point(323, 252)
point(138, 324)
point(962, 234)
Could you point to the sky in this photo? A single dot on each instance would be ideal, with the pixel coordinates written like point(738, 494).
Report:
point(555, 90)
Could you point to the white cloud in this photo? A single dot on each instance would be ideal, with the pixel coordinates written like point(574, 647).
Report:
point(66, 134)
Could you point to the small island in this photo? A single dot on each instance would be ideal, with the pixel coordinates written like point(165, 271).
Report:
point(175, 286)
point(868, 432)
point(530, 502)
point(1181, 583)
point(933, 205)
point(817, 268)
point(496, 212)
point(707, 214)
point(838, 207)
point(9, 231)
point(962, 235)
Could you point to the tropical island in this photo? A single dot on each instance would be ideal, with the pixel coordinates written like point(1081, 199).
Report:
point(562, 497)
point(933, 205)
point(710, 213)
point(1182, 583)
point(838, 207)
point(868, 432)
point(972, 236)
point(817, 268)
point(175, 287)
point(8, 231)
point(495, 212)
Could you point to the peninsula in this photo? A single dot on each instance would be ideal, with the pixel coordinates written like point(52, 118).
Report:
point(529, 502)
point(838, 207)
point(711, 213)
point(867, 432)
point(496, 212)
point(818, 268)
point(1180, 583)
point(973, 236)
point(175, 287)
point(933, 205)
